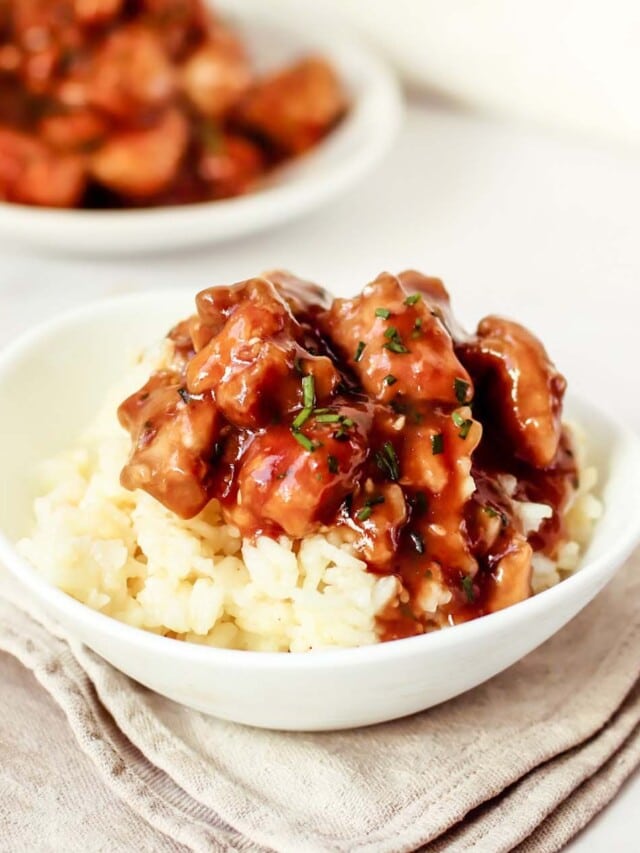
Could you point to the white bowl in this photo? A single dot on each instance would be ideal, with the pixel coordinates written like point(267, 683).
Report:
point(274, 37)
point(51, 382)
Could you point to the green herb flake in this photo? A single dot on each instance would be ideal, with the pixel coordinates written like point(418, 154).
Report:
point(418, 542)
point(437, 443)
point(490, 511)
point(332, 464)
point(411, 300)
point(184, 394)
point(396, 346)
point(391, 332)
point(387, 460)
point(308, 392)
point(467, 587)
point(346, 422)
point(389, 379)
point(383, 312)
point(359, 351)
point(461, 389)
point(304, 441)
point(329, 418)
point(301, 418)
point(457, 418)
point(365, 513)
point(464, 429)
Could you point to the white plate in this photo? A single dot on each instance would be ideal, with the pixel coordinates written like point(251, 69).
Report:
point(345, 156)
point(52, 381)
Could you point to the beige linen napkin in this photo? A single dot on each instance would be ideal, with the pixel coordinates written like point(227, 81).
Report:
point(522, 762)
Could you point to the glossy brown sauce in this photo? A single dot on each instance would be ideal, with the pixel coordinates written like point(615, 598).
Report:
point(301, 414)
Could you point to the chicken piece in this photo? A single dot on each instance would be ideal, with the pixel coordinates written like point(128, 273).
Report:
point(396, 346)
point(129, 72)
point(43, 33)
point(286, 486)
point(379, 514)
point(216, 75)
point(253, 363)
point(438, 298)
point(301, 295)
point(141, 163)
point(31, 173)
point(435, 460)
point(231, 167)
point(96, 12)
point(519, 385)
point(75, 130)
point(294, 108)
point(173, 436)
point(510, 582)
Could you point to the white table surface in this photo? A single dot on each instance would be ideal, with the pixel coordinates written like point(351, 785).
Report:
point(541, 228)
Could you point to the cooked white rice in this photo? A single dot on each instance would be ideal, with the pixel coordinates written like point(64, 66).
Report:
point(125, 554)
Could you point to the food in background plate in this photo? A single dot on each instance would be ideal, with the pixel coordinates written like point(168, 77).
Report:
point(130, 103)
point(299, 472)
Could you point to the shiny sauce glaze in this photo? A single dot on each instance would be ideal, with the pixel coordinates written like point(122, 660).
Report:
point(377, 416)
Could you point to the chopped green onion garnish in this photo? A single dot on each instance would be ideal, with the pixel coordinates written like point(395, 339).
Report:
point(328, 419)
point(389, 379)
point(391, 332)
point(387, 461)
point(321, 411)
point(457, 418)
point(332, 464)
point(493, 513)
point(365, 512)
point(411, 300)
point(383, 312)
point(464, 429)
point(359, 351)
point(396, 346)
point(308, 391)
point(302, 439)
point(301, 418)
point(418, 542)
point(467, 586)
point(437, 443)
point(461, 389)
point(346, 421)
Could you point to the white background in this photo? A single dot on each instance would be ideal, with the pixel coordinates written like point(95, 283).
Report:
point(516, 222)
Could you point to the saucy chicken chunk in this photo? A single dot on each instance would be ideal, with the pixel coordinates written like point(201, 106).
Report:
point(522, 384)
point(157, 101)
point(376, 418)
point(396, 344)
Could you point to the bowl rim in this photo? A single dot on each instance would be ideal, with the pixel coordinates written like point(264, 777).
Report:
point(53, 599)
point(379, 93)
